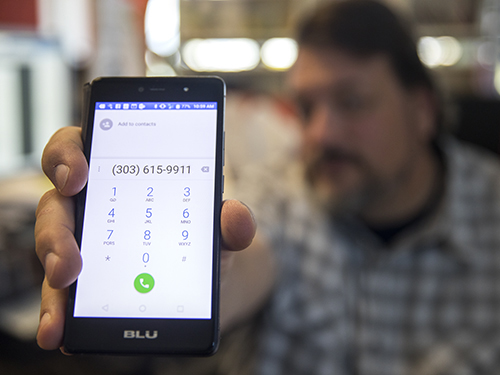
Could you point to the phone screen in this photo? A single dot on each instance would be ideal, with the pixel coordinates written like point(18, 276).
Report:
point(147, 238)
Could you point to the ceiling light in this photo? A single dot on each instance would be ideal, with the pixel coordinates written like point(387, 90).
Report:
point(162, 26)
point(221, 55)
point(279, 53)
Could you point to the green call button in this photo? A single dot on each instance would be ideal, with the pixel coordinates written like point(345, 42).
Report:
point(144, 283)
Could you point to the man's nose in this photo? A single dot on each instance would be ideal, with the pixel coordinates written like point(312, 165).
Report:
point(325, 126)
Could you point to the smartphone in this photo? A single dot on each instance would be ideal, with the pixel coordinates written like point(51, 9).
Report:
point(148, 220)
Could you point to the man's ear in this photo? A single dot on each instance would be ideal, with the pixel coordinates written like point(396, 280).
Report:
point(426, 111)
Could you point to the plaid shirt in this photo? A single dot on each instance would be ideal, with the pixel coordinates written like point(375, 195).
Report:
point(345, 303)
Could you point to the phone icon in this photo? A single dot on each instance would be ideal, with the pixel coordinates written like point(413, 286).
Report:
point(144, 283)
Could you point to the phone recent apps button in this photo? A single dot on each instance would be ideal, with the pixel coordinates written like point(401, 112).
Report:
point(144, 283)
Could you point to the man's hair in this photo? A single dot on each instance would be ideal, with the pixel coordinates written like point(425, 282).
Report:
point(364, 28)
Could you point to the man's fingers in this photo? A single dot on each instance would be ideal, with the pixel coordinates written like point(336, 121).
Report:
point(237, 225)
point(55, 242)
point(63, 161)
point(59, 254)
point(52, 312)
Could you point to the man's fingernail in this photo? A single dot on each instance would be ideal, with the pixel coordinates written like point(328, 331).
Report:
point(251, 213)
point(61, 175)
point(50, 264)
point(44, 319)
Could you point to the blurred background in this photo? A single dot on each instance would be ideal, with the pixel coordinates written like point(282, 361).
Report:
point(49, 48)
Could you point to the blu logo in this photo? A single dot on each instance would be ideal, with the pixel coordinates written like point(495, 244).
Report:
point(129, 334)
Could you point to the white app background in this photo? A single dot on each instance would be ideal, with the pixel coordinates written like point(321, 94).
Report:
point(148, 226)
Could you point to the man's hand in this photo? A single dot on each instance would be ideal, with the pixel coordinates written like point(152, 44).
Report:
point(65, 165)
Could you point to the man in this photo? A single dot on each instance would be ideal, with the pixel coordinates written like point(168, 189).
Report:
point(380, 253)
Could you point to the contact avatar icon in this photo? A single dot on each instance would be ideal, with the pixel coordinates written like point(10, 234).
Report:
point(106, 124)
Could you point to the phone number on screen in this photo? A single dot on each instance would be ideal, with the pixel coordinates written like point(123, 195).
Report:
point(135, 169)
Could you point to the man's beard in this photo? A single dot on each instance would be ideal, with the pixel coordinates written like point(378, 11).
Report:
point(324, 189)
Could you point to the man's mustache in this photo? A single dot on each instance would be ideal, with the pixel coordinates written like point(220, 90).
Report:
point(334, 155)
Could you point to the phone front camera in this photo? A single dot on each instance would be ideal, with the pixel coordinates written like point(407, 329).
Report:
point(141, 89)
point(186, 89)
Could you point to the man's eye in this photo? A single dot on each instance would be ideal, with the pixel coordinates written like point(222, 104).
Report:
point(305, 111)
point(351, 103)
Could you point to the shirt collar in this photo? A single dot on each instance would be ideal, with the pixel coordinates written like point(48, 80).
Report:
point(466, 175)
point(440, 229)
